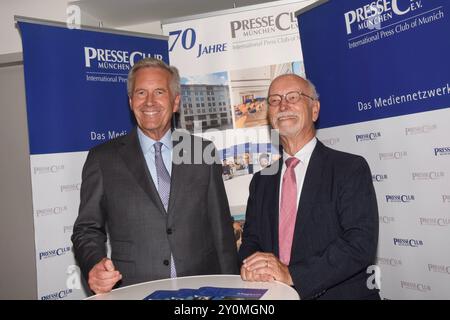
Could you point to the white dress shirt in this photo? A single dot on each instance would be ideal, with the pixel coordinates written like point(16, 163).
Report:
point(304, 155)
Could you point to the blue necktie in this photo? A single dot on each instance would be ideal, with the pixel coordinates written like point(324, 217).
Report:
point(164, 191)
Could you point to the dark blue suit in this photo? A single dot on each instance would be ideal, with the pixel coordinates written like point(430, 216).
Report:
point(336, 231)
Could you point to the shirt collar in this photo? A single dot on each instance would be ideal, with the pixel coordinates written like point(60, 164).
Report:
point(304, 154)
point(147, 143)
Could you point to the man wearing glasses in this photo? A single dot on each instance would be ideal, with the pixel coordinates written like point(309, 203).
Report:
point(314, 223)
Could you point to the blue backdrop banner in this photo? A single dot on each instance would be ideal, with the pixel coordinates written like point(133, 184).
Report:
point(377, 59)
point(76, 93)
point(76, 84)
point(382, 68)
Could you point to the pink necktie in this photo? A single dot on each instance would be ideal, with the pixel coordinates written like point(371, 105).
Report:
point(288, 210)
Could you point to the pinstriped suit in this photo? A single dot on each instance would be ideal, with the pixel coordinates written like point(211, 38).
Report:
point(118, 195)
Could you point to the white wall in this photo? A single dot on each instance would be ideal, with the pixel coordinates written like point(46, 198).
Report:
point(42, 9)
point(18, 266)
point(150, 27)
point(54, 10)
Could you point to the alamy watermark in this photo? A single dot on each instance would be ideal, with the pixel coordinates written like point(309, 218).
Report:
point(73, 280)
point(73, 20)
point(193, 151)
point(374, 280)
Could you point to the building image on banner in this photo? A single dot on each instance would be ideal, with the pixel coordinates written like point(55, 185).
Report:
point(205, 102)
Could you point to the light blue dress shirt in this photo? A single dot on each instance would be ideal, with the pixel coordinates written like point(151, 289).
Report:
point(149, 152)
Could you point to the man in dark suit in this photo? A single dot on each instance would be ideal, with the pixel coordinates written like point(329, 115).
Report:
point(155, 193)
point(313, 224)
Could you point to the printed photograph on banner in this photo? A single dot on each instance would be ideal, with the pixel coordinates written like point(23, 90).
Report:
point(249, 91)
point(236, 161)
point(205, 102)
point(264, 156)
point(238, 227)
point(246, 158)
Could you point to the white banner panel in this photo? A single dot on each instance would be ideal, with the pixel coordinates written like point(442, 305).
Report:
point(227, 60)
point(56, 181)
point(412, 182)
point(385, 94)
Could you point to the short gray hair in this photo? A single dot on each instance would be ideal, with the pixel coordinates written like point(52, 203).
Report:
point(312, 87)
point(174, 85)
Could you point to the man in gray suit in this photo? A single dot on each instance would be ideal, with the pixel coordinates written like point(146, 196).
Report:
point(165, 215)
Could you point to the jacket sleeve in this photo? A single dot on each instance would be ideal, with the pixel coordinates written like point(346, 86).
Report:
point(89, 235)
point(250, 242)
point(221, 222)
point(355, 247)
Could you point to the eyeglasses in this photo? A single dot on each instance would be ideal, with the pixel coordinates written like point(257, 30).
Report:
point(274, 100)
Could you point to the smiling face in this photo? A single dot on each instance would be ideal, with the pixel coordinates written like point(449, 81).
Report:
point(152, 101)
point(293, 120)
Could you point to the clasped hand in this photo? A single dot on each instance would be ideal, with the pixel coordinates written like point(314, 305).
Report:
point(262, 266)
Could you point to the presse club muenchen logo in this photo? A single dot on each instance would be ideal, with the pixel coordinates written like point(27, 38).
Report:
point(371, 15)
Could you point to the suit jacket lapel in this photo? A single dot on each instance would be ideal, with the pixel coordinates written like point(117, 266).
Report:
point(311, 185)
point(131, 153)
point(177, 179)
point(272, 205)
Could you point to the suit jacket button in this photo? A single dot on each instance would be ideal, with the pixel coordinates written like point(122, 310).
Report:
point(166, 262)
point(169, 231)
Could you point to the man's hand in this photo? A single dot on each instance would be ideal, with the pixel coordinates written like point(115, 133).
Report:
point(103, 276)
point(262, 266)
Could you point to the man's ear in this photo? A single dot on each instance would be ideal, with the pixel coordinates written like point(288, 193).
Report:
point(315, 110)
point(176, 103)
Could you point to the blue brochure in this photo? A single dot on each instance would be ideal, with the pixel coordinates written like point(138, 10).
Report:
point(208, 293)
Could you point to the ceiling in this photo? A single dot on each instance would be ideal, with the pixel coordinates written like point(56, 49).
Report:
point(118, 13)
